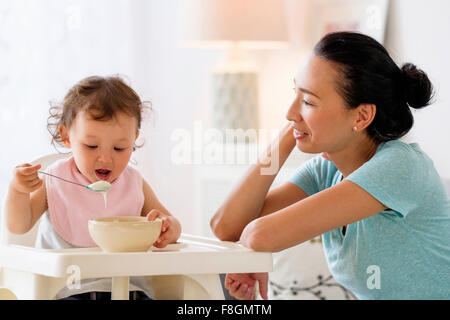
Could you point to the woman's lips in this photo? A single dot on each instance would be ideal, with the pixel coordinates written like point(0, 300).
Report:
point(299, 134)
point(102, 174)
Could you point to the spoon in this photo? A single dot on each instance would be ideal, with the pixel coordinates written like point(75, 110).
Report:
point(99, 186)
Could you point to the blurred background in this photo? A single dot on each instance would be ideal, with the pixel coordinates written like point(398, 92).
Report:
point(169, 52)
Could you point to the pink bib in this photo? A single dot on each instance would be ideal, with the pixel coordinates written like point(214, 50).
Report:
point(71, 206)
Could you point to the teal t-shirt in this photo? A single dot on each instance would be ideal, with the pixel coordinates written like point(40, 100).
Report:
point(399, 253)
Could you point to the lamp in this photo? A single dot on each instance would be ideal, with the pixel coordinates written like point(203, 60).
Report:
point(237, 25)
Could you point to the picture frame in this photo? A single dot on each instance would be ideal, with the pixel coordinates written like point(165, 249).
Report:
point(364, 16)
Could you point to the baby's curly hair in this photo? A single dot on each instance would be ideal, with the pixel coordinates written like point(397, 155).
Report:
point(102, 97)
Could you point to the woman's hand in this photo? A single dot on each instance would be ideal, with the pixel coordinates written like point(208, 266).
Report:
point(242, 285)
point(170, 229)
point(25, 178)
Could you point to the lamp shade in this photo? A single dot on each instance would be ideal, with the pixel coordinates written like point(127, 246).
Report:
point(252, 23)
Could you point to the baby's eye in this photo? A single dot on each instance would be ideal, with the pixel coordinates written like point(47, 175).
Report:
point(91, 146)
point(118, 149)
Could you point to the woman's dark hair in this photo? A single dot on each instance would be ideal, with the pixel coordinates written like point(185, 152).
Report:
point(367, 74)
point(102, 97)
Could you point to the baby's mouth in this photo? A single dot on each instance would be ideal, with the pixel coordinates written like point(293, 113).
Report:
point(103, 174)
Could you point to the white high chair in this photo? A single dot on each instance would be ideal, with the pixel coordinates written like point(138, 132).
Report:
point(188, 269)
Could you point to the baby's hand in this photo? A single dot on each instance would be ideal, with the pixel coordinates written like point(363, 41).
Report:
point(169, 228)
point(242, 285)
point(25, 178)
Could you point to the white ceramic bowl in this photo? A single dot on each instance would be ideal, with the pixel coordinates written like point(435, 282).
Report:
point(124, 234)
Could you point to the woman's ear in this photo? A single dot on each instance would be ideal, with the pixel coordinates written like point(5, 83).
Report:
point(365, 113)
point(64, 134)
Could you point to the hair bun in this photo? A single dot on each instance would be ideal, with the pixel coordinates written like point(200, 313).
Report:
point(417, 86)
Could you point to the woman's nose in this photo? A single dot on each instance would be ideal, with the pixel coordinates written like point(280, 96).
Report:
point(293, 113)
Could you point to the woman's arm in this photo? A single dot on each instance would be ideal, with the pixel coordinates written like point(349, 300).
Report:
point(331, 208)
point(250, 199)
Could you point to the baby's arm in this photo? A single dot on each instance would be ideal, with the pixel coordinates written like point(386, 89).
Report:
point(26, 199)
point(171, 228)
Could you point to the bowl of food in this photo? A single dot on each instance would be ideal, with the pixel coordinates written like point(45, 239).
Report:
point(124, 234)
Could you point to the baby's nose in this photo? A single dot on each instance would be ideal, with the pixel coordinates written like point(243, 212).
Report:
point(104, 158)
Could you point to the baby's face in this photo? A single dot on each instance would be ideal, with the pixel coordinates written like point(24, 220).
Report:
point(101, 149)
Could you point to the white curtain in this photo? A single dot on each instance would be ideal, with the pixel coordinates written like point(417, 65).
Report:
point(46, 46)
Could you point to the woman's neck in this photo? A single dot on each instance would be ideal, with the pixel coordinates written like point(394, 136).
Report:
point(354, 156)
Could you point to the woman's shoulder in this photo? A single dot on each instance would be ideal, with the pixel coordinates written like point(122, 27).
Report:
point(399, 153)
point(393, 160)
point(399, 147)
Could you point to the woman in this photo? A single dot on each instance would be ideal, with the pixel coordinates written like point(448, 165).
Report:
point(378, 203)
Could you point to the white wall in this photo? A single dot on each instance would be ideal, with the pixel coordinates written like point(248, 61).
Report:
point(419, 32)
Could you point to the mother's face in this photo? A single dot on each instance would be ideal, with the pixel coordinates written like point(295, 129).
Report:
point(319, 115)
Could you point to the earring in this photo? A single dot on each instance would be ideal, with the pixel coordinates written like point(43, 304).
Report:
point(355, 128)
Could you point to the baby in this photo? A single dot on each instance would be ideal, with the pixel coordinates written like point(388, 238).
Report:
point(99, 121)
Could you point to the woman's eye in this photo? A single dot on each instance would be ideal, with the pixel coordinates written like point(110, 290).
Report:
point(91, 147)
point(307, 103)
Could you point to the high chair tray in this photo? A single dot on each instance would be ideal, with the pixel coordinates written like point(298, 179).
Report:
point(190, 255)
